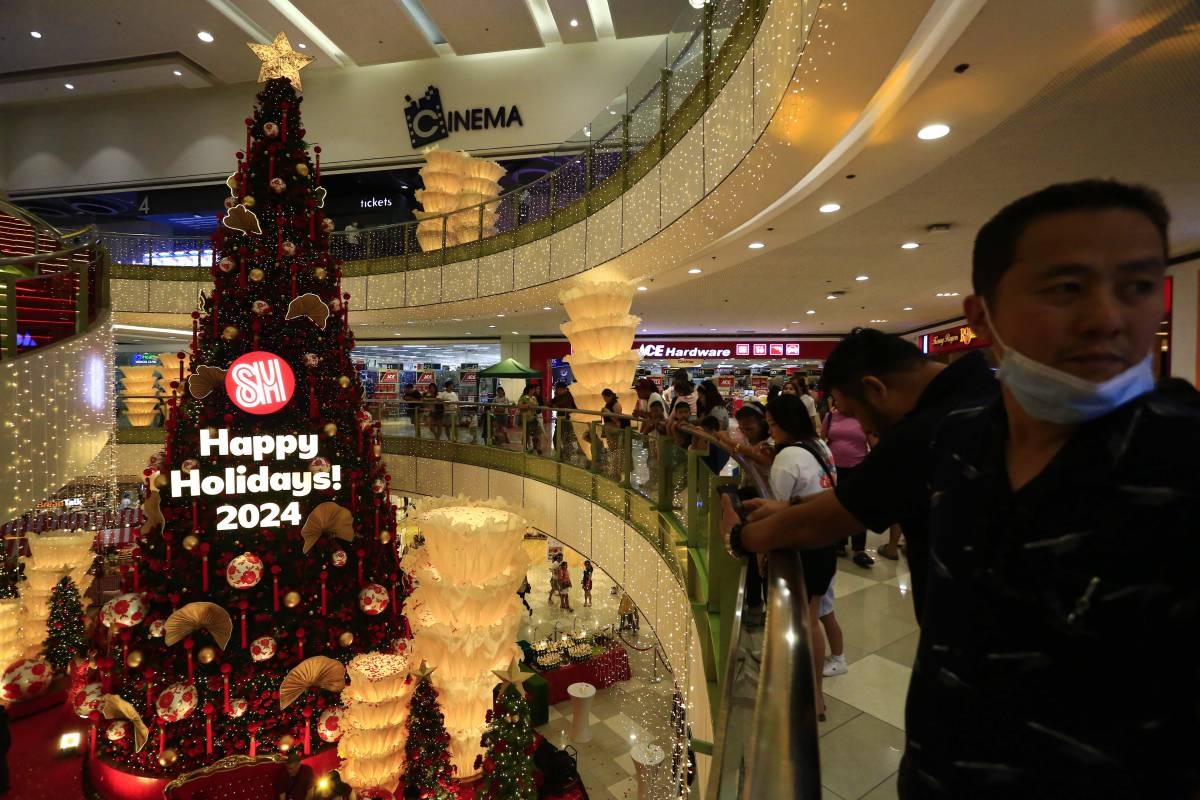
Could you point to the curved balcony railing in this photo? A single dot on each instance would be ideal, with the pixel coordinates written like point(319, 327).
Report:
point(605, 159)
point(765, 734)
point(53, 284)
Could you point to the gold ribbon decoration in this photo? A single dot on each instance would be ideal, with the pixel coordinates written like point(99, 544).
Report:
point(152, 509)
point(196, 616)
point(242, 219)
point(117, 707)
point(311, 306)
point(329, 518)
point(321, 672)
point(204, 380)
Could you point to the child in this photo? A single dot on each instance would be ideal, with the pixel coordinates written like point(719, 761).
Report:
point(564, 586)
point(835, 663)
point(587, 584)
point(524, 590)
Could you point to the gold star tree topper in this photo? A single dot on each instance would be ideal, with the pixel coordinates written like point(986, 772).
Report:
point(514, 674)
point(424, 671)
point(279, 60)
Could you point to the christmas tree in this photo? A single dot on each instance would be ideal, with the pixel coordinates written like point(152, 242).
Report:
point(65, 639)
point(11, 573)
point(509, 742)
point(268, 543)
point(427, 751)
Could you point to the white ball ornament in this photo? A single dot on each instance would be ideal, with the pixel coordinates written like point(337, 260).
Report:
point(373, 599)
point(261, 307)
point(329, 724)
point(263, 648)
point(288, 248)
point(277, 185)
point(244, 571)
point(270, 130)
point(117, 731)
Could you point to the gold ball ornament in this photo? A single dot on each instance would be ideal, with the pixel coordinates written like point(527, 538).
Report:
point(513, 718)
point(346, 639)
point(344, 381)
point(257, 274)
point(168, 757)
point(330, 429)
point(206, 655)
point(291, 599)
point(286, 742)
point(133, 659)
point(248, 201)
point(162, 481)
point(302, 169)
point(319, 273)
point(385, 536)
point(190, 541)
point(230, 333)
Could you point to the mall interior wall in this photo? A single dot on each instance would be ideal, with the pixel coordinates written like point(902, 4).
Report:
point(356, 114)
point(1185, 307)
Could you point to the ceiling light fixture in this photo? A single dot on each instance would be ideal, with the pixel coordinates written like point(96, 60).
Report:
point(947, 294)
point(934, 131)
point(516, 333)
point(643, 288)
point(177, 73)
point(546, 308)
point(35, 34)
point(908, 308)
point(862, 278)
point(910, 245)
point(829, 208)
point(811, 311)
point(712, 330)
point(879, 320)
point(794, 322)
point(756, 245)
point(574, 23)
point(695, 271)
point(697, 4)
point(205, 37)
point(501, 316)
point(70, 86)
point(491, 326)
point(302, 45)
point(831, 297)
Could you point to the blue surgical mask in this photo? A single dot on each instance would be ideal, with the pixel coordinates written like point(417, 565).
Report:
point(1052, 395)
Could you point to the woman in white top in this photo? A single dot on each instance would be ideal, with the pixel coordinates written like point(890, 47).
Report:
point(803, 467)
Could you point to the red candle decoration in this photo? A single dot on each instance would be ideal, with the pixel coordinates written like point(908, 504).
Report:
point(314, 410)
point(137, 554)
point(376, 517)
point(324, 575)
point(392, 604)
point(275, 570)
point(225, 670)
point(94, 719)
point(271, 169)
point(162, 736)
point(249, 125)
point(124, 579)
point(317, 171)
point(195, 331)
point(253, 728)
point(148, 674)
point(300, 633)
point(283, 121)
point(188, 644)
point(105, 664)
point(346, 311)
point(361, 554)
point(204, 548)
point(208, 716)
point(307, 730)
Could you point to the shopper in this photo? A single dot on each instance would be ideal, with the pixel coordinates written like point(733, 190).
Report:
point(803, 467)
point(586, 583)
point(563, 401)
point(434, 411)
point(799, 385)
point(714, 457)
point(758, 453)
point(885, 383)
point(614, 432)
point(300, 779)
point(849, 446)
point(683, 389)
point(499, 417)
point(555, 586)
point(412, 399)
point(564, 586)
point(709, 403)
point(628, 613)
point(450, 415)
point(531, 419)
point(835, 662)
point(522, 592)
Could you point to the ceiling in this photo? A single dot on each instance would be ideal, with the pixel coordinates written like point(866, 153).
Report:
point(143, 45)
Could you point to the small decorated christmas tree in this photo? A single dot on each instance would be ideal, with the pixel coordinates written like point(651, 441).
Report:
point(65, 639)
point(427, 752)
point(509, 741)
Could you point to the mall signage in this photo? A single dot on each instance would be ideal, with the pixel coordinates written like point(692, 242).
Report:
point(717, 349)
point(429, 122)
point(950, 340)
point(258, 383)
point(68, 502)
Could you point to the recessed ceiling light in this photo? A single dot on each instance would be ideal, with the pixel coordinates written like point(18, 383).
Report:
point(491, 326)
point(456, 319)
point(177, 73)
point(643, 288)
point(302, 45)
point(947, 294)
point(879, 320)
point(695, 271)
point(516, 333)
point(934, 131)
point(35, 34)
point(756, 245)
point(811, 311)
point(546, 308)
point(70, 86)
point(712, 330)
point(794, 322)
point(831, 297)
point(829, 208)
point(205, 37)
point(910, 245)
point(501, 316)
point(862, 278)
point(574, 23)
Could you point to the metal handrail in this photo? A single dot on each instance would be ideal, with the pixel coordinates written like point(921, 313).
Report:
point(622, 139)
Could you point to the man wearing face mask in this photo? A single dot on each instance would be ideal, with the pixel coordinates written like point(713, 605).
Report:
point(1042, 586)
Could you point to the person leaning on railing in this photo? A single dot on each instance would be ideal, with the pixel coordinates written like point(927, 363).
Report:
point(531, 419)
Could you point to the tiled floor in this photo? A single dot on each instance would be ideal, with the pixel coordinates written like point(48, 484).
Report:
point(626, 714)
point(863, 739)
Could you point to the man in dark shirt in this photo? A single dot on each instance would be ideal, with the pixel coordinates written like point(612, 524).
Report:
point(1042, 588)
point(888, 385)
point(299, 781)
